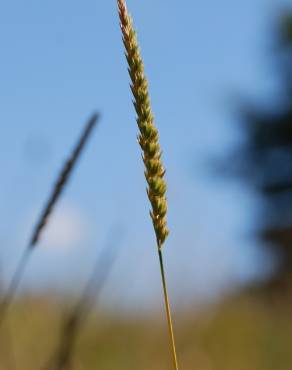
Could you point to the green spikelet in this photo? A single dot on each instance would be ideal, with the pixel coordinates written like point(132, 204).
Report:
point(148, 140)
point(148, 137)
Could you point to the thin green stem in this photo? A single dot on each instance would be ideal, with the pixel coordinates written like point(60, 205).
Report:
point(168, 311)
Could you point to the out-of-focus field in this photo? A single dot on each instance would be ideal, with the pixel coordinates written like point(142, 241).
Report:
point(241, 333)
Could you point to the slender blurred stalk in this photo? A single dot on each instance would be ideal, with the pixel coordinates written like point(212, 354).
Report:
point(9, 349)
point(57, 191)
point(62, 359)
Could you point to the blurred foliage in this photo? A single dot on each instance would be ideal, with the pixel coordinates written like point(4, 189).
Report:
point(242, 333)
point(286, 28)
point(264, 161)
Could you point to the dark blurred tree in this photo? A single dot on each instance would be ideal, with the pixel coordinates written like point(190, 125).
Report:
point(264, 161)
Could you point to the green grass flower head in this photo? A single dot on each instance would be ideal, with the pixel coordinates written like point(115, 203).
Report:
point(148, 137)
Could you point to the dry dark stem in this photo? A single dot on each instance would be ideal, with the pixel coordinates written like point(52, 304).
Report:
point(74, 321)
point(58, 189)
point(63, 179)
point(9, 349)
point(8, 297)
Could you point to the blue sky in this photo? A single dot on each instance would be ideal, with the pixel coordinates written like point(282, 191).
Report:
point(62, 60)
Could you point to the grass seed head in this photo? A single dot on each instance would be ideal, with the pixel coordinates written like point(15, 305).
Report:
point(148, 136)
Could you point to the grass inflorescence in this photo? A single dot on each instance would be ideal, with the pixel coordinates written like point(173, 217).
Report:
point(149, 141)
point(57, 191)
point(148, 137)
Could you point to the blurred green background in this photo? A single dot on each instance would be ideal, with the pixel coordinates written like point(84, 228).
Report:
point(245, 332)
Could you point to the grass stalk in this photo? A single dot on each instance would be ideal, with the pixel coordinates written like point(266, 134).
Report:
point(74, 320)
point(149, 142)
point(63, 179)
point(55, 195)
point(168, 311)
point(9, 349)
point(16, 278)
